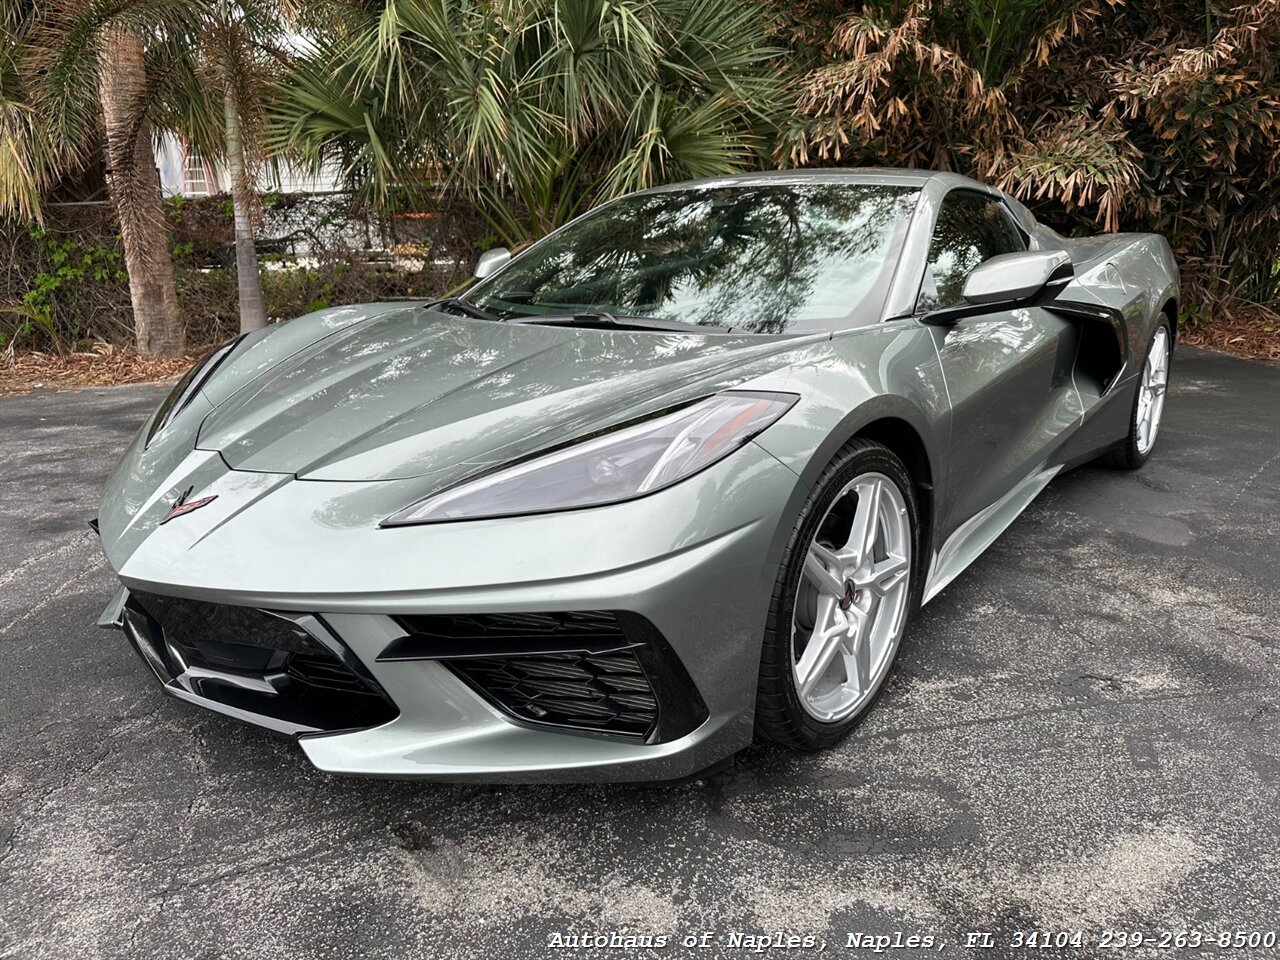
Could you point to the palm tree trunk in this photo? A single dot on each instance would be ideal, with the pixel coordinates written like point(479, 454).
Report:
point(135, 191)
point(253, 312)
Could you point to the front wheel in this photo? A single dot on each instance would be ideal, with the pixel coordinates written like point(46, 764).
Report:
point(1148, 406)
point(846, 588)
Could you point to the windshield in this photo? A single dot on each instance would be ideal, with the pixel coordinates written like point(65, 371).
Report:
point(760, 259)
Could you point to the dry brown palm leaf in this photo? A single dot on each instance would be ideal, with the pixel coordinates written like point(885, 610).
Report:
point(1077, 161)
point(30, 371)
point(899, 92)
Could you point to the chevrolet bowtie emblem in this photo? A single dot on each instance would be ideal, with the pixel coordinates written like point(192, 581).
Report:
point(182, 505)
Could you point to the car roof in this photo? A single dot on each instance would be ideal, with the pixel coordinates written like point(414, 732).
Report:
point(882, 176)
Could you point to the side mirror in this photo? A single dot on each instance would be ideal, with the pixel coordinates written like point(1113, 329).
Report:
point(491, 261)
point(1009, 281)
point(1015, 277)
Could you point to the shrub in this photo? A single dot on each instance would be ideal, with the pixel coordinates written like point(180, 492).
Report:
point(1098, 113)
point(66, 287)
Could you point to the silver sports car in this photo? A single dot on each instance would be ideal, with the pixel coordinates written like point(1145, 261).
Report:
point(674, 477)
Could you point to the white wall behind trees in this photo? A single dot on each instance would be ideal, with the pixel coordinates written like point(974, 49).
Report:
point(183, 173)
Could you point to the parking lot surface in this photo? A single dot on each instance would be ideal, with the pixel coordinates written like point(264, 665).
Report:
point(1081, 735)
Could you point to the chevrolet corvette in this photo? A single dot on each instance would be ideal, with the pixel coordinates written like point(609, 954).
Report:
point(673, 478)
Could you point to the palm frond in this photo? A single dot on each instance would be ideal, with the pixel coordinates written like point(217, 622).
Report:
point(537, 104)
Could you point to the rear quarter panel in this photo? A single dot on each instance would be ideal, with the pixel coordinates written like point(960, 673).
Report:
point(1134, 273)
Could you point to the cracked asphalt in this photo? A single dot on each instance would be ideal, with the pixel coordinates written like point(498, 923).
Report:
point(1081, 735)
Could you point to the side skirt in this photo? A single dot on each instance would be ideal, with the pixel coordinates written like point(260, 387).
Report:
point(981, 530)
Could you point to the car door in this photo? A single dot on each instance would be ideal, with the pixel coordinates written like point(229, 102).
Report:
point(1007, 372)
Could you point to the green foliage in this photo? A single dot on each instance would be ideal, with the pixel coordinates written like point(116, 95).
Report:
point(1097, 113)
point(67, 270)
point(27, 153)
point(534, 108)
point(65, 287)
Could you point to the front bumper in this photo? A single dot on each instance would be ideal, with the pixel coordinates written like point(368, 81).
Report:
point(699, 577)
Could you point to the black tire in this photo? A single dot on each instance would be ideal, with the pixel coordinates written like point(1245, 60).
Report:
point(780, 717)
point(1125, 454)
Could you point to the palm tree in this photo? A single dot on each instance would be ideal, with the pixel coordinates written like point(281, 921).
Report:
point(535, 108)
point(131, 179)
point(222, 85)
point(222, 73)
point(201, 70)
point(253, 309)
point(86, 68)
point(27, 155)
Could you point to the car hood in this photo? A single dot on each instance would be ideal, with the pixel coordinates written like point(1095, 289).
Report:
point(418, 393)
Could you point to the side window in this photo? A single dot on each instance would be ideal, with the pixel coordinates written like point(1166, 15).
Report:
point(971, 229)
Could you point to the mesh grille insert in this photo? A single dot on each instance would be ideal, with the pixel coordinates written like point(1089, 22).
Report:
point(602, 671)
point(603, 692)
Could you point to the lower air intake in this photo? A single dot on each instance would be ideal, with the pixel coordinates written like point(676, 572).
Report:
point(280, 670)
point(598, 671)
point(606, 692)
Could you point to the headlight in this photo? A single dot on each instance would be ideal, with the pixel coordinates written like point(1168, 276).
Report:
point(622, 465)
point(186, 388)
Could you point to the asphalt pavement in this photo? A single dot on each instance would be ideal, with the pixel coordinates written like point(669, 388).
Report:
point(1081, 735)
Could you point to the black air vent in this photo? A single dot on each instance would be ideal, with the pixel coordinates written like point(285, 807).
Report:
point(443, 637)
point(603, 692)
point(205, 626)
point(284, 671)
point(599, 671)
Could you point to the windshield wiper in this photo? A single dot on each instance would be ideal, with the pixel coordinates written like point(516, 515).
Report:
point(608, 321)
point(467, 307)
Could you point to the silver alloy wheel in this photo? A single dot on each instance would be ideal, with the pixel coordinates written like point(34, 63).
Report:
point(851, 604)
point(1155, 380)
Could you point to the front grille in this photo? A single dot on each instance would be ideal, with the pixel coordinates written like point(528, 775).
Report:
point(217, 630)
point(605, 692)
point(599, 671)
point(285, 671)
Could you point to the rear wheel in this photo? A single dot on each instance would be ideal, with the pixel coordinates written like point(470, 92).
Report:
point(847, 586)
point(1148, 405)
